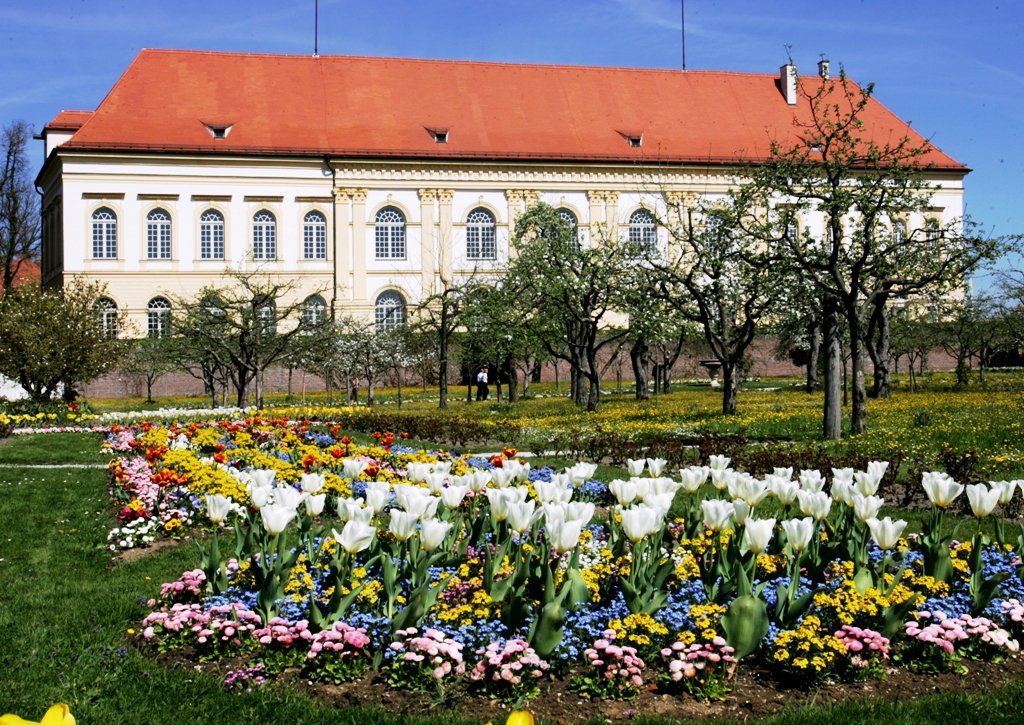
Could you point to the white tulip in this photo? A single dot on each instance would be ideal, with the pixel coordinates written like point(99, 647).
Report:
point(314, 505)
point(352, 467)
point(287, 496)
point(941, 489)
point(843, 491)
point(276, 518)
point(582, 510)
point(312, 482)
point(866, 507)
point(377, 495)
point(799, 532)
point(717, 514)
point(878, 469)
point(263, 478)
point(814, 504)
point(402, 524)
point(355, 536)
point(784, 491)
point(740, 511)
point(660, 501)
point(656, 466)
point(886, 532)
point(784, 473)
point(564, 535)
point(433, 532)
point(218, 507)
point(552, 491)
point(718, 462)
point(866, 483)
point(435, 482)
point(635, 467)
point(750, 489)
point(722, 478)
point(640, 521)
point(811, 480)
point(501, 477)
point(260, 496)
point(842, 474)
point(1006, 490)
point(757, 533)
point(581, 472)
point(521, 516)
point(453, 495)
point(625, 492)
point(417, 472)
point(694, 477)
point(983, 499)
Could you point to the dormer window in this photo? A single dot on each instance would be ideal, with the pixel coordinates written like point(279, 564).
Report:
point(634, 138)
point(218, 130)
point(440, 135)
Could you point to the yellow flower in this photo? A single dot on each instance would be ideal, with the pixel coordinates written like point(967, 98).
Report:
point(520, 717)
point(58, 714)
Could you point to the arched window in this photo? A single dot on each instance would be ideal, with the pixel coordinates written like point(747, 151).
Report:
point(314, 311)
point(389, 311)
point(266, 312)
point(570, 219)
point(104, 234)
point(932, 233)
point(264, 235)
point(158, 234)
point(106, 310)
point(211, 235)
point(158, 314)
point(314, 236)
point(899, 232)
point(481, 241)
point(643, 233)
point(389, 234)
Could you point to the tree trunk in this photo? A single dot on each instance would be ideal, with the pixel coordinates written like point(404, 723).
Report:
point(832, 428)
point(730, 386)
point(442, 359)
point(593, 377)
point(638, 358)
point(398, 377)
point(814, 334)
point(962, 369)
point(878, 350)
point(513, 380)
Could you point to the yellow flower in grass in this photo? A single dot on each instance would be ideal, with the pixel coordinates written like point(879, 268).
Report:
point(59, 714)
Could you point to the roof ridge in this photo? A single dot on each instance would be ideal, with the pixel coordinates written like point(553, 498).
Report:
point(456, 61)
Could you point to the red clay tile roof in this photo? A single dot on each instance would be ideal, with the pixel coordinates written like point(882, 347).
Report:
point(69, 120)
point(386, 107)
point(28, 271)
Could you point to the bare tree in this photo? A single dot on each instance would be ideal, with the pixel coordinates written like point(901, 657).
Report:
point(19, 208)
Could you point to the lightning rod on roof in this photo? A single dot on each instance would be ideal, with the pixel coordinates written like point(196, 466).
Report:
point(682, 15)
point(316, 28)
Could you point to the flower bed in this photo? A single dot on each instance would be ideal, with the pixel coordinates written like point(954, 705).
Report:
point(450, 574)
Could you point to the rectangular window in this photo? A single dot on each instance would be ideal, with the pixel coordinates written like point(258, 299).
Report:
point(158, 240)
point(314, 241)
point(211, 241)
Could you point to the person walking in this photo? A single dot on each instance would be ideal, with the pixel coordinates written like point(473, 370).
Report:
point(482, 391)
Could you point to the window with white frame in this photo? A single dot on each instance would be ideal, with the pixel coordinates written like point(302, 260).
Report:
point(106, 310)
point(104, 234)
point(389, 311)
point(314, 236)
point(481, 237)
point(643, 231)
point(158, 235)
point(264, 235)
point(570, 219)
point(158, 317)
point(389, 234)
point(899, 232)
point(211, 235)
point(314, 311)
point(266, 313)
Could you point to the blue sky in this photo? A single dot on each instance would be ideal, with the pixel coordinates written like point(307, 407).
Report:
point(950, 67)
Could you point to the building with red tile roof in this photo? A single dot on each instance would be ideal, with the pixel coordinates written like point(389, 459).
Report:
point(368, 180)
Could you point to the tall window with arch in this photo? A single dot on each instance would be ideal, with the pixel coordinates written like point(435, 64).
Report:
point(158, 317)
point(314, 311)
point(389, 311)
point(389, 234)
point(570, 219)
point(264, 235)
point(211, 235)
point(481, 235)
point(104, 234)
point(158, 234)
point(314, 236)
point(643, 231)
point(266, 314)
point(106, 310)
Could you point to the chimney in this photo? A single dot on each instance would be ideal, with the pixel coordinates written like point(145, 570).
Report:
point(787, 81)
point(823, 69)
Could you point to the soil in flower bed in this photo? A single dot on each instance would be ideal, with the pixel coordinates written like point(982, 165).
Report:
point(755, 694)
